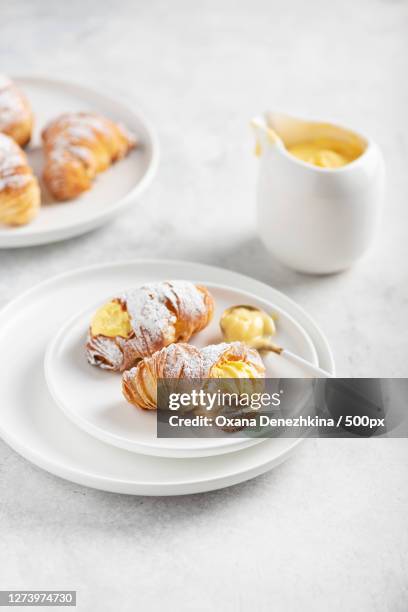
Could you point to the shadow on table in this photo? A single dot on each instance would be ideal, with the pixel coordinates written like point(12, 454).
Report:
point(251, 258)
point(69, 505)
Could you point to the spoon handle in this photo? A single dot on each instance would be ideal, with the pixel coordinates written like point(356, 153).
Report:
point(311, 369)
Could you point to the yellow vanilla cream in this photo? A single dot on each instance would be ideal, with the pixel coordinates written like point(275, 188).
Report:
point(245, 325)
point(111, 320)
point(234, 369)
point(326, 152)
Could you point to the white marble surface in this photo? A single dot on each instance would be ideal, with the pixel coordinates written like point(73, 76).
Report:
point(327, 530)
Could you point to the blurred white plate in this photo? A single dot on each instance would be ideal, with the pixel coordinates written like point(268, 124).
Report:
point(32, 424)
point(93, 400)
point(113, 190)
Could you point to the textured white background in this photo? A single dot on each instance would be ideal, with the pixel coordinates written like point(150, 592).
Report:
point(327, 530)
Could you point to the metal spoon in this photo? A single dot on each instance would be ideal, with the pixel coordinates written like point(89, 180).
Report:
point(265, 344)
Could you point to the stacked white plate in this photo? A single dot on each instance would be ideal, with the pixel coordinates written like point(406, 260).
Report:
point(71, 419)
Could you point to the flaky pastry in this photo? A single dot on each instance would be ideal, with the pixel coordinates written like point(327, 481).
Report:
point(16, 117)
point(142, 321)
point(19, 190)
point(234, 360)
point(77, 146)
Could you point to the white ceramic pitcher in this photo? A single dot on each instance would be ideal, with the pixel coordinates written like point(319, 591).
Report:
point(313, 219)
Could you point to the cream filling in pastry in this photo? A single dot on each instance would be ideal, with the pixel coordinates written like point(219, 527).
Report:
point(234, 369)
point(111, 320)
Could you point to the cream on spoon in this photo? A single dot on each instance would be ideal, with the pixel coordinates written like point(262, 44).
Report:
point(255, 327)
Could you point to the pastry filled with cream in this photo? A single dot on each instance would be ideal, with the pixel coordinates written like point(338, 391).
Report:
point(231, 361)
point(234, 369)
point(111, 320)
point(144, 320)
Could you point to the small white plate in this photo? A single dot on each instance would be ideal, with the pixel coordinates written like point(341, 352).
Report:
point(113, 190)
point(32, 424)
point(92, 397)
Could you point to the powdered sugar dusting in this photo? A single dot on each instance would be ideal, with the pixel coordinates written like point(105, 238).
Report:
point(149, 312)
point(15, 182)
point(10, 153)
point(77, 132)
point(182, 361)
point(104, 352)
point(160, 314)
point(211, 354)
point(11, 103)
point(13, 167)
point(185, 298)
point(72, 137)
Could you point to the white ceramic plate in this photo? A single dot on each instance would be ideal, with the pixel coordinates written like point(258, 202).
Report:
point(32, 424)
point(113, 190)
point(92, 397)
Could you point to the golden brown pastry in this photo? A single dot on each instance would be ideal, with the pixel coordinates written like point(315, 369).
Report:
point(19, 190)
point(234, 360)
point(16, 117)
point(77, 146)
point(140, 322)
